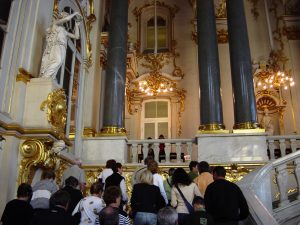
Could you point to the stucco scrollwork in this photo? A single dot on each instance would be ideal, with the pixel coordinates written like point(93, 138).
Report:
point(36, 153)
point(56, 110)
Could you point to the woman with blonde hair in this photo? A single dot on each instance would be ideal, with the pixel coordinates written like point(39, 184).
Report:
point(146, 200)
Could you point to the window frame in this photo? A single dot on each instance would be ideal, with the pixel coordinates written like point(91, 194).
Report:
point(156, 120)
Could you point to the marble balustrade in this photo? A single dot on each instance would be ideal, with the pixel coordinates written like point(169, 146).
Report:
point(272, 192)
point(282, 145)
point(175, 149)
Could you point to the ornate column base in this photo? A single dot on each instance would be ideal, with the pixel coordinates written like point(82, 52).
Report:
point(247, 127)
point(112, 131)
point(213, 128)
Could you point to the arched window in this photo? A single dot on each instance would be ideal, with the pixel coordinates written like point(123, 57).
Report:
point(69, 74)
point(146, 29)
point(161, 35)
point(156, 119)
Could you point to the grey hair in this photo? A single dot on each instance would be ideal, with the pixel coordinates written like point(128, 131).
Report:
point(167, 216)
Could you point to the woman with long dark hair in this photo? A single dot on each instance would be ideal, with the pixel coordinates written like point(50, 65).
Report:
point(182, 183)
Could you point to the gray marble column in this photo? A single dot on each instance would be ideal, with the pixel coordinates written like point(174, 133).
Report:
point(241, 68)
point(211, 115)
point(114, 96)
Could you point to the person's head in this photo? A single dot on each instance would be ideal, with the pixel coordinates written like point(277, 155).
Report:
point(148, 159)
point(193, 166)
point(153, 167)
point(198, 203)
point(219, 172)
point(96, 189)
point(161, 136)
point(203, 166)
point(117, 168)
point(112, 196)
point(109, 216)
point(72, 182)
point(171, 171)
point(48, 175)
point(181, 177)
point(24, 191)
point(60, 199)
point(110, 163)
point(167, 216)
point(146, 177)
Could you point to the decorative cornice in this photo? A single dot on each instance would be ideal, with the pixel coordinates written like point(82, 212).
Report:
point(21, 132)
point(23, 76)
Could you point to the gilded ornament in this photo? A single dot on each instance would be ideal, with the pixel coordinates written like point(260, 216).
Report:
point(221, 9)
point(23, 76)
point(112, 131)
point(36, 153)
point(254, 10)
point(56, 111)
point(222, 36)
point(39, 153)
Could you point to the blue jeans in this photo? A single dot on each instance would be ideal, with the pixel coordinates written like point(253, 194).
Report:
point(145, 218)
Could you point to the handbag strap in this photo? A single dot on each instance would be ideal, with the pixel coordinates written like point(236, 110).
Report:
point(187, 204)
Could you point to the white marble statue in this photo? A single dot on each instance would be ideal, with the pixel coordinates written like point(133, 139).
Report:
point(58, 146)
point(56, 44)
point(267, 123)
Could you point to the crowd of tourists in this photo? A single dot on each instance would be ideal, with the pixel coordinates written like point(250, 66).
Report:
point(201, 197)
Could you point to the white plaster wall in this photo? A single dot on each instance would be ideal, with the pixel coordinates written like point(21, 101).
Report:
point(23, 49)
point(188, 60)
point(92, 88)
point(9, 161)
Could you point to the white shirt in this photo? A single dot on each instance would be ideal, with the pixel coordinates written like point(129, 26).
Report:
point(105, 174)
point(158, 181)
point(89, 207)
point(123, 190)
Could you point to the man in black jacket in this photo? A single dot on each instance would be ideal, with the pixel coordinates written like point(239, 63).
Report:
point(116, 179)
point(57, 214)
point(224, 200)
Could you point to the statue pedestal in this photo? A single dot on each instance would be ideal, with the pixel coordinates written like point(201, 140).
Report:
point(232, 148)
point(100, 149)
point(37, 91)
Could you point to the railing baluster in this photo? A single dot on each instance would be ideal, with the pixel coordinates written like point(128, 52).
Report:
point(156, 152)
point(134, 150)
point(168, 151)
point(178, 151)
point(282, 147)
point(297, 175)
point(190, 148)
point(282, 181)
point(294, 144)
point(272, 149)
point(145, 150)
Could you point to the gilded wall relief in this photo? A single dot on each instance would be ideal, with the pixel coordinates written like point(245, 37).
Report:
point(56, 111)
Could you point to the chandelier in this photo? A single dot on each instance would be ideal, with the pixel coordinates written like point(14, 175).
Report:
point(274, 79)
point(155, 83)
point(272, 76)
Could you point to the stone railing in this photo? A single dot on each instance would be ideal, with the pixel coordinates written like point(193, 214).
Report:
point(282, 145)
point(272, 192)
point(176, 150)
